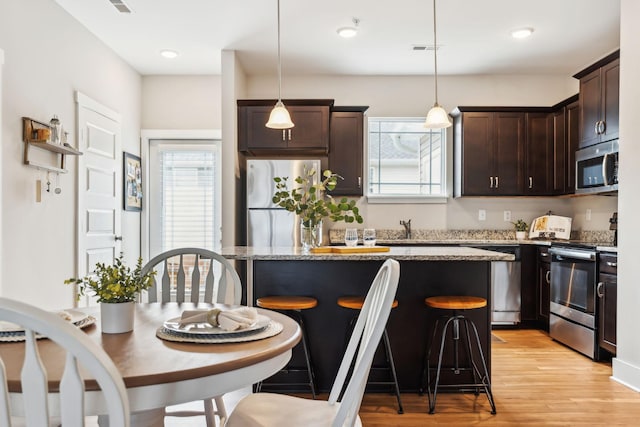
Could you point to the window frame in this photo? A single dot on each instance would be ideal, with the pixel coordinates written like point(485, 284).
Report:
point(408, 198)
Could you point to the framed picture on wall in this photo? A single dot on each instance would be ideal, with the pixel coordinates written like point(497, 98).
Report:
point(132, 191)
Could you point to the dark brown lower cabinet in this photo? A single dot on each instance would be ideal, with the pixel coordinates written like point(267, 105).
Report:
point(544, 279)
point(607, 302)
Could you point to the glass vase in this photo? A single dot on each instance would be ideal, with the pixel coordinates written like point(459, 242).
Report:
point(310, 236)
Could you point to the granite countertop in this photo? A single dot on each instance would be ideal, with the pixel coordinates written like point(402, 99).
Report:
point(401, 253)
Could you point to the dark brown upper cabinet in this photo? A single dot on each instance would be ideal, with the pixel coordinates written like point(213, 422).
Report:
point(599, 101)
point(346, 149)
point(564, 122)
point(488, 152)
point(538, 155)
point(310, 135)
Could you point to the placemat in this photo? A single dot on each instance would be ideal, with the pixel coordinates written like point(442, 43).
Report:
point(273, 329)
point(18, 336)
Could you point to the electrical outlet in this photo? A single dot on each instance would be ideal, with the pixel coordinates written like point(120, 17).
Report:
point(507, 215)
point(482, 215)
point(588, 215)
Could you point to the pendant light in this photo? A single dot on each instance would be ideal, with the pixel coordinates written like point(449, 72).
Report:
point(279, 117)
point(437, 118)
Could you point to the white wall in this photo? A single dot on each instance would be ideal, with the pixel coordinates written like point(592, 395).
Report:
point(412, 96)
point(626, 366)
point(181, 102)
point(1, 132)
point(49, 56)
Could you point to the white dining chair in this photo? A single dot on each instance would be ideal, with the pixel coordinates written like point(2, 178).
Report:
point(195, 275)
point(35, 403)
point(269, 409)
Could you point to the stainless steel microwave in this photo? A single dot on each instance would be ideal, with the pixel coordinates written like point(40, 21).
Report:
point(597, 168)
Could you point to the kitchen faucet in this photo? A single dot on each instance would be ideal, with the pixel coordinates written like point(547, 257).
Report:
point(407, 228)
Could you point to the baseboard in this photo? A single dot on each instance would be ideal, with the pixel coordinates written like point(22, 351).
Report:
point(626, 374)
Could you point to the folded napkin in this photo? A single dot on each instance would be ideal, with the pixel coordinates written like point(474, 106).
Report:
point(229, 320)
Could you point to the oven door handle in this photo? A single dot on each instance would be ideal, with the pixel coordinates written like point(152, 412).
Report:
point(600, 290)
point(567, 253)
point(605, 169)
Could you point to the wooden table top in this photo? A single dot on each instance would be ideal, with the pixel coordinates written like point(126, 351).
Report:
point(143, 359)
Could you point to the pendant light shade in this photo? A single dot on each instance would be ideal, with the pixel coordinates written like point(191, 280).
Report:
point(279, 117)
point(437, 117)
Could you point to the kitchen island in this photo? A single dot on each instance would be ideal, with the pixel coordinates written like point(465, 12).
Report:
point(424, 272)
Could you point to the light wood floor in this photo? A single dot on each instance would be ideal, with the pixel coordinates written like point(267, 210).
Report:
point(536, 382)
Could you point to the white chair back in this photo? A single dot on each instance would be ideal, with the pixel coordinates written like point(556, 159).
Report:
point(365, 338)
point(186, 274)
point(81, 350)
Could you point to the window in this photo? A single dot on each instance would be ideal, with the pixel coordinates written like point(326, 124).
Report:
point(405, 159)
point(185, 195)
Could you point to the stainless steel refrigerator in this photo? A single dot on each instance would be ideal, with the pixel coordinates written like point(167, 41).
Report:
point(267, 223)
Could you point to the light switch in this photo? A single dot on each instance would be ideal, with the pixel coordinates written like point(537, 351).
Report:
point(507, 215)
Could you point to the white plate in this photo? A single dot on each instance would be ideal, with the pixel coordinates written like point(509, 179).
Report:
point(76, 316)
point(207, 329)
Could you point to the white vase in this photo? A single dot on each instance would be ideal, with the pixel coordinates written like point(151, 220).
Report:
point(310, 237)
point(521, 235)
point(117, 318)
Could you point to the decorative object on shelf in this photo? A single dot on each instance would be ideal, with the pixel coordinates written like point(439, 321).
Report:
point(437, 118)
point(115, 285)
point(521, 229)
point(132, 191)
point(279, 117)
point(311, 203)
point(56, 130)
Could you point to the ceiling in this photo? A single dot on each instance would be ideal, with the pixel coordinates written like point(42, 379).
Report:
point(473, 35)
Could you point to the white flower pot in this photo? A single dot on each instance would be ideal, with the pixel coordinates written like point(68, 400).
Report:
point(521, 235)
point(117, 318)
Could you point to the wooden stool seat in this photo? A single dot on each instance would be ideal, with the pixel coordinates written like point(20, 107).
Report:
point(286, 302)
point(456, 302)
point(356, 302)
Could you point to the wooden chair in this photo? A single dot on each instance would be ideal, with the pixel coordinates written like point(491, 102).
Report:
point(36, 403)
point(195, 275)
point(269, 409)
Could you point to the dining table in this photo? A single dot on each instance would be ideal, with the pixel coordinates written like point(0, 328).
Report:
point(161, 369)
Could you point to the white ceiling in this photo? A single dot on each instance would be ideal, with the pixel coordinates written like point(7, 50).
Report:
point(473, 35)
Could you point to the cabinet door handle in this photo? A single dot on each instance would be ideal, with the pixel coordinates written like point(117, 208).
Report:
point(496, 182)
point(530, 182)
point(289, 134)
point(359, 182)
point(612, 264)
point(544, 254)
point(490, 182)
point(596, 128)
point(602, 127)
point(284, 135)
point(116, 238)
point(547, 277)
point(600, 290)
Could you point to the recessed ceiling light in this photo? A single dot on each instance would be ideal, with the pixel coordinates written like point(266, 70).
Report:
point(348, 32)
point(522, 33)
point(168, 53)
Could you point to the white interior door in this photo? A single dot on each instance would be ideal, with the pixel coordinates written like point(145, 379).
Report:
point(99, 190)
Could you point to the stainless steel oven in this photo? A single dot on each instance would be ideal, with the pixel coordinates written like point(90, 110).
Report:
point(572, 318)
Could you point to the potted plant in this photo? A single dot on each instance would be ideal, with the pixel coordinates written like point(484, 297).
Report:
point(521, 229)
point(312, 204)
point(116, 288)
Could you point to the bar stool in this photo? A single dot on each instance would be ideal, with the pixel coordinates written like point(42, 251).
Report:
point(356, 303)
point(292, 306)
point(480, 379)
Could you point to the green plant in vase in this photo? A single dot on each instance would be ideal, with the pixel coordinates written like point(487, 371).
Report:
point(312, 204)
point(521, 228)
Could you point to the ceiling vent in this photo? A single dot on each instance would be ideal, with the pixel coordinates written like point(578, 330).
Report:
point(424, 47)
point(121, 6)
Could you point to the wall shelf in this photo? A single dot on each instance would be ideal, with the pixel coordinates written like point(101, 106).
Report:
point(31, 134)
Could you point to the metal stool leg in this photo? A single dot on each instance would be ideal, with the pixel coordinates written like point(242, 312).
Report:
point(392, 368)
point(486, 382)
point(432, 396)
point(297, 316)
